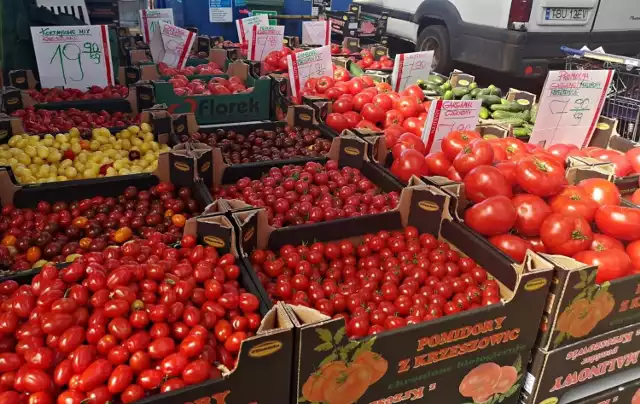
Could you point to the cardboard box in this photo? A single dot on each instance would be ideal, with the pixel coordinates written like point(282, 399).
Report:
point(216, 109)
point(565, 375)
point(425, 362)
point(624, 393)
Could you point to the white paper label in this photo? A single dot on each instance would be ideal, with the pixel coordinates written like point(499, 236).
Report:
point(150, 20)
point(308, 64)
point(448, 116)
point(171, 45)
point(220, 11)
point(73, 56)
point(570, 105)
point(265, 39)
point(244, 26)
point(316, 33)
point(410, 67)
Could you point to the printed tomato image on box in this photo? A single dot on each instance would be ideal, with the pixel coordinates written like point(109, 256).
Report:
point(577, 371)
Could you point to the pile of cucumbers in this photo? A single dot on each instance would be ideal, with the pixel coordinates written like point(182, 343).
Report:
point(495, 109)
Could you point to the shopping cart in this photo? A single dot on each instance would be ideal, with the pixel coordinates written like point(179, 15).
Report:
point(623, 99)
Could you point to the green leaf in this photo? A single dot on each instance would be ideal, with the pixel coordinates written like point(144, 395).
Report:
point(583, 275)
point(579, 285)
point(328, 359)
point(512, 390)
point(501, 399)
point(518, 364)
point(561, 336)
point(302, 400)
point(324, 334)
point(327, 346)
point(592, 277)
point(339, 335)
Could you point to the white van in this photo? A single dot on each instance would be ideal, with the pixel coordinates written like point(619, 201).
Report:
point(520, 37)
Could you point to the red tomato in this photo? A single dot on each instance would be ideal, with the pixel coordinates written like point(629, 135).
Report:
point(603, 242)
point(566, 235)
point(342, 105)
point(619, 222)
point(498, 150)
point(360, 100)
point(196, 372)
point(514, 246)
point(635, 197)
point(96, 374)
point(508, 170)
point(633, 155)
point(476, 153)
point(407, 141)
point(531, 211)
point(392, 134)
point(324, 83)
point(633, 251)
point(413, 125)
point(120, 378)
point(438, 164)
point(414, 91)
point(411, 162)
point(574, 201)
point(353, 118)
point(612, 264)
point(540, 175)
point(493, 216)
point(455, 141)
point(373, 113)
point(383, 101)
point(601, 191)
point(393, 118)
point(484, 182)
point(337, 122)
point(513, 147)
point(561, 150)
point(407, 106)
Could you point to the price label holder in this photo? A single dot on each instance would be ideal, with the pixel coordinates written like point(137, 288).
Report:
point(316, 33)
point(171, 45)
point(448, 116)
point(410, 67)
point(73, 56)
point(570, 105)
point(8, 127)
point(460, 79)
point(264, 40)
point(523, 98)
point(244, 26)
point(352, 45)
point(492, 131)
point(605, 129)
point(203, 44)
point(308, 64)
point(22, 79)
point(150, 21)
point(292, 41)
point(379, 51)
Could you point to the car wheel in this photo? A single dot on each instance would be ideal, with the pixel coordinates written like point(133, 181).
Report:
point(436, 38)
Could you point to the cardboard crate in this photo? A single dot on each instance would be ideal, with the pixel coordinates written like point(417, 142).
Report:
point(624, 393)
point(425, 362)
point(216, 109)
point(567, 374)
point(577, 308)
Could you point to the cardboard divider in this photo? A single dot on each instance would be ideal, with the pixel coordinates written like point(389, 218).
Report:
point(406, 352)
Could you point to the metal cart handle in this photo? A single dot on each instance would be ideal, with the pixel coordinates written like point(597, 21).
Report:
point(572, 51)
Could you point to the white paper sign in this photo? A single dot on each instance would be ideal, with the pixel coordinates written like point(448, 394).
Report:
point(265, 39)
point(220, 11)
point(244, 26)
point(447, 116)
point(409, 67)
point(171, 45)
point(316, 33)
point(570, 105)
point(149, 20)
point(308, 64)
point(76, 56)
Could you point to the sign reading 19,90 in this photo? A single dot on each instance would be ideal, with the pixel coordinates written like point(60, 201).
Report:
point(76, 56)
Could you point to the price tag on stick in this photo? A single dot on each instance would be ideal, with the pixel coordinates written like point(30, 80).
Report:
point(316, 33)
point(244, 26)
point(263, 40)
point(569, 107)
point(73, 56)
point(448, 116)
point(308, 64)
point(150, 20)
point(409, 67)
point(171, 45)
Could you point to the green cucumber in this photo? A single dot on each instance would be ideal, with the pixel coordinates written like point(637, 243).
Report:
point(488, 100)
point(484, 113)
point(459, 92)
point(500, 114)
point(519, 132)
point(534, 113)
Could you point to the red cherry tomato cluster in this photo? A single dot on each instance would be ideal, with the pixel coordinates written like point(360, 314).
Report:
point(182, 86)
point(53, 232)
point(73, 94)
point(361, 103)
point(42, 121)
point(205, 69)
point(111, 328)
point(312, 193)
point(522, 201)
point(277, 60)
point(368, 61)
point(264, 145)
point(389, 280)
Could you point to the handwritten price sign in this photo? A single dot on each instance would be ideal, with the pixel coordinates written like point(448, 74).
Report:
point(244, 26)
point(150, 21)
point(569, 107)
point(171, 44)
point(409, 67)
point(448, 116)
point(265, 39)
point(308, 64)
point(73, 56)
point(316, 33)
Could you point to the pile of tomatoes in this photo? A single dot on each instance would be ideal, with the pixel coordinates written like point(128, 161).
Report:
point(182, 86)
point(41, 121)
point(522, 201)
point(361, 103)
point(387, 281)
point(73, 94)
point(313, 193)
point(123, 324)
point(205, 69)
